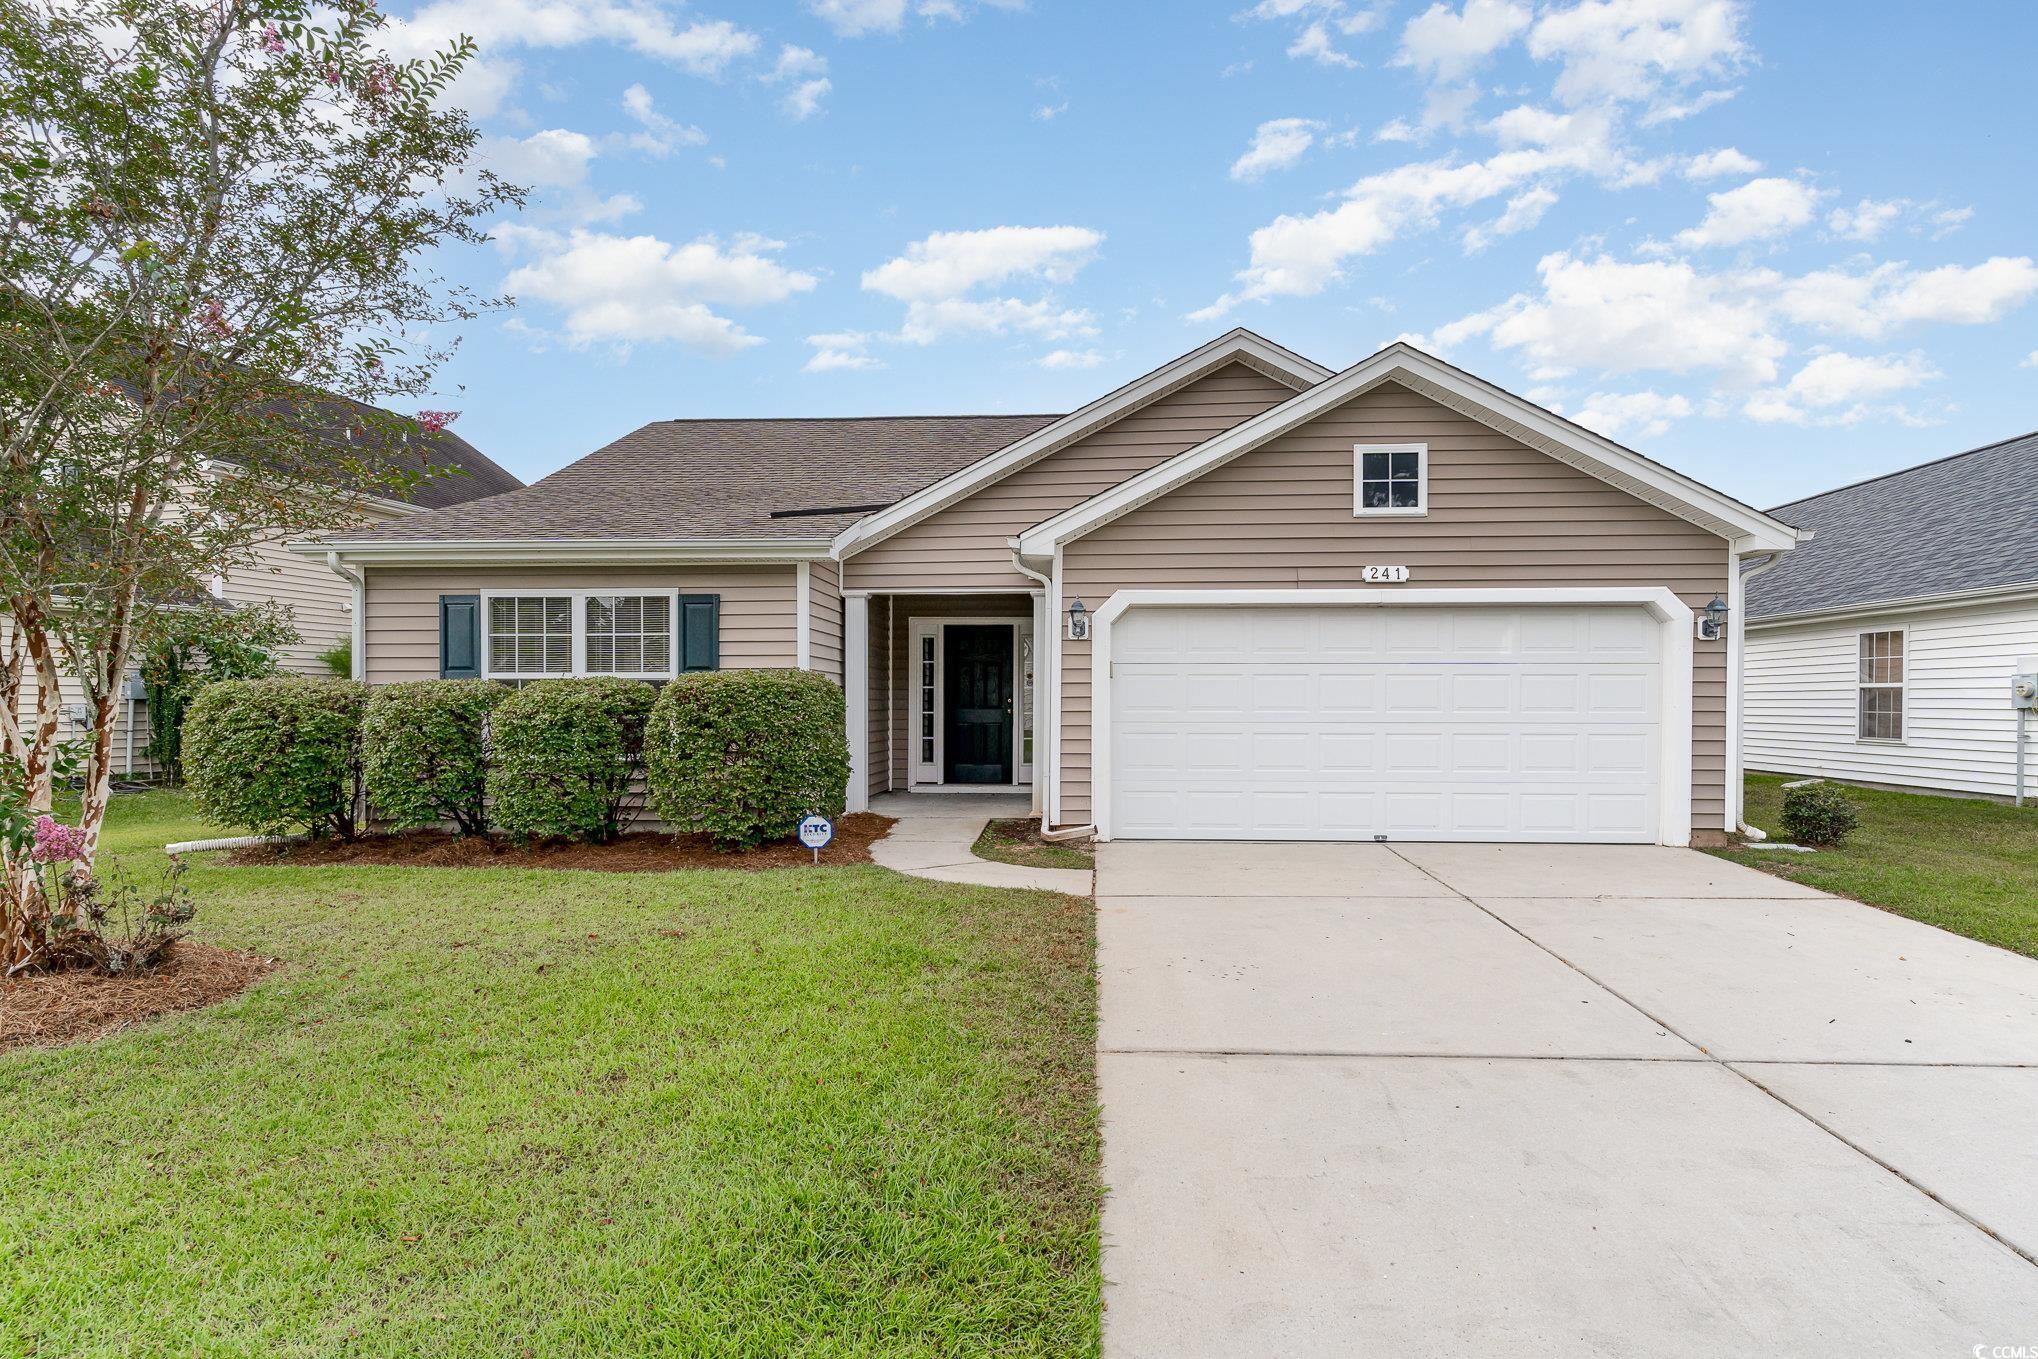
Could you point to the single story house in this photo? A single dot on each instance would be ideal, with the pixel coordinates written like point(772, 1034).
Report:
point(321, 604)
point(1242, 596)
point(1881, 652)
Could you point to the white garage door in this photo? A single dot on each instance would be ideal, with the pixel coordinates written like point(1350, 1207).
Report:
point(1344, 722)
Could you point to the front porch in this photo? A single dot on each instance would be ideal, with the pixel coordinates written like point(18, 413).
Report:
point(946, 698)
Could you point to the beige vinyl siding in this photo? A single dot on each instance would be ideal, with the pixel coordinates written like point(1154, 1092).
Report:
point(1960, 733)
point(905, 609)
point(1500, 514)
point(321, 602)
point(403, 607)
point(824, 626)
point(878, 739)
point(965, 546)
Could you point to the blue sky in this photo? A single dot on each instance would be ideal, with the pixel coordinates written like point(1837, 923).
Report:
point(1779, 246)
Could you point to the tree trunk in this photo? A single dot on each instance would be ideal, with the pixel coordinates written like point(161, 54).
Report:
point(98, 775)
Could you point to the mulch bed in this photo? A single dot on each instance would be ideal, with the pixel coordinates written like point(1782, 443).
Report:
point(640, 853)
point(44, 1009)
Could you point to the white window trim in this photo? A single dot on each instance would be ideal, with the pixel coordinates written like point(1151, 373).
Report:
point(1671, 613)
point(918, 772)
point(1902, 687)
point(579, 668)
point(1421, 507)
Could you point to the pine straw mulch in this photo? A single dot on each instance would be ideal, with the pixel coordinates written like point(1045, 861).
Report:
point(645, 852)
point(47, 1008)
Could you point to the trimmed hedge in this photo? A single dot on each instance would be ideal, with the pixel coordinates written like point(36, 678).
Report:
point(424, 752)
point(565, 755)
point(276, 755)
point(742, 755)
point(1818, 814)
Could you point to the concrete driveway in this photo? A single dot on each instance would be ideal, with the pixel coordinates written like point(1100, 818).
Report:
point(1482, 1099)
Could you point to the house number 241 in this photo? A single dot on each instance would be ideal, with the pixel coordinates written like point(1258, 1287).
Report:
point(1383, 575)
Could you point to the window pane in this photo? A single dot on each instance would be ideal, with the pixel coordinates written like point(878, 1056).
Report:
point(1405, 494)
point(558, 653)
point(1882, 658)
point(1373, 495)
point(559, 616)
point(1882, 714)
point(1407, 466)
point(600, 616)
point(601, 652)
point(1373, 467)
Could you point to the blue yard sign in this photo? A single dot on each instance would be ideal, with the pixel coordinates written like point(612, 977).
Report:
point(815, 833)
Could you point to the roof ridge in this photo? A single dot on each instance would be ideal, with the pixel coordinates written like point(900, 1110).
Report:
point(1905, 471)
point(844, 419)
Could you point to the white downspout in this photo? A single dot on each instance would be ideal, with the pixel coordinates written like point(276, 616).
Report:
point(803, 616)
point(354, 578)
point(1737, 651)
point(1046, 690)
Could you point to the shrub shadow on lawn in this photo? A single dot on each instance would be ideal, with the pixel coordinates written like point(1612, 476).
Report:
point(638, 853)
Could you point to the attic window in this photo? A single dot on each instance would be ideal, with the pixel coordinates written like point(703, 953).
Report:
point(1390, 479)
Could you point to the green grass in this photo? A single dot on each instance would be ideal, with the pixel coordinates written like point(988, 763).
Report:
point(146, 821)
point(505, 1112)
point(1016, 840)
point(1963, 865)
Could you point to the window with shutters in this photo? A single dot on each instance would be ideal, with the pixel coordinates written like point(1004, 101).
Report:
point(1880, 700)
point(530, 636)
point(628, 635)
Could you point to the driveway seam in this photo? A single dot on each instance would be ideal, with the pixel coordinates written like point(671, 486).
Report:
point(2026, 1256)
point(1364, 1055)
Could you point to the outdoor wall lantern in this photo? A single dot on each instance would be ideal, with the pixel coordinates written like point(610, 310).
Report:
point(1079, 621)
point(1712, 624)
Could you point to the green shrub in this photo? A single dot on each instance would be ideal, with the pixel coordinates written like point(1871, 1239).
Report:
point(423, 752)
point(275, 755)
point(564, 756)
point(742, 755)
point(1818, 814)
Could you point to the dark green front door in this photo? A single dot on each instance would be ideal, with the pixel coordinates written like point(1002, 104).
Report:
point(978, 733)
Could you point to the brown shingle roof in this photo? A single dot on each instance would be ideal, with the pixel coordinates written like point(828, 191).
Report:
point(704, 479)
point(350, 428)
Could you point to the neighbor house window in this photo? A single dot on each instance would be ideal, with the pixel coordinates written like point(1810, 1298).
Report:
point(1882, 686)
point(927, 698)
point(1391, 479)
point(628, 635)
point(530, 636)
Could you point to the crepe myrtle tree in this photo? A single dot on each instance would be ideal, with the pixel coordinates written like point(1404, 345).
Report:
point(215, 218)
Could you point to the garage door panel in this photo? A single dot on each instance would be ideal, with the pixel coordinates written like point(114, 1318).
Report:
point(1351, 723)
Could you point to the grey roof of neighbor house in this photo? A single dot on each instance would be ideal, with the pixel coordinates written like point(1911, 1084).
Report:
point(464, 472)
point(1962, 523)
point(702, 479)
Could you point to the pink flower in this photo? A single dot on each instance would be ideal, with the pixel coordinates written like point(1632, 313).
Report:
point(213, 318)
point(272, 41)
point(332, 76)
point(434, 421)
point(55, 842)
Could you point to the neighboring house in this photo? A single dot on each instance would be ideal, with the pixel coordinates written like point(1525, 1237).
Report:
point(321, 603)
point(1394, 602)
point(1881, 651)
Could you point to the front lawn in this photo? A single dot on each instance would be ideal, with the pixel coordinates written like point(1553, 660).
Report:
point(1963, 865)
point(504, 1112)
point(1016, 840)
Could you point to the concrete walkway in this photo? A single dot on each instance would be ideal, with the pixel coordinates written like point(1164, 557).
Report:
point(935, 831)
point(1471, 1099)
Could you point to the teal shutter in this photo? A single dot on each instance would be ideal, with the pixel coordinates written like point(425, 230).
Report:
point(459, 636)
point(700, 632)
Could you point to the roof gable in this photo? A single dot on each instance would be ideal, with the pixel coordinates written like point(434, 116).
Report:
point(1448, 386)
point(1958, 525)
point(1234, 346)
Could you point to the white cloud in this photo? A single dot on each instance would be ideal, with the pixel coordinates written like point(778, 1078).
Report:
point(1074, 358)
point(1314, 43)
point(1047, 113)
point(1950, 220)
point(1277, 144)
point(1836, 388)
point(936, 276)
point(1647, 414)
point(1629, 50)
point(2030, 360)
point(1721, 164)
point(555, 158)
point(1448, 45)
point(704, 47)
point(805, 73)
point(1669, 111)
point(1523, 211)
point(630, 289)
point(1865, 220)
point(1620, 317)
point(1759, 209)
point(660, 134)
point(842, 351)
point(855, 18)
point(1874, 302)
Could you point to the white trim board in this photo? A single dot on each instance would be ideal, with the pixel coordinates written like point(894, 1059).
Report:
point(1501, 410)
point(605, 551)
point(1675, 616)
point(1234, 346)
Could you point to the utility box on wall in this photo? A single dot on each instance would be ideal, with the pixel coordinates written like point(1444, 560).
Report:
point(2024, 684)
